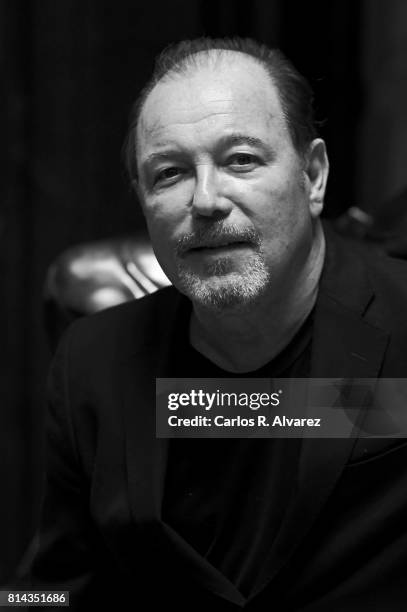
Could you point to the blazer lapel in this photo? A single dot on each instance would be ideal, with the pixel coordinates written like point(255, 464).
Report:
point(344, 346)
point(146, 455)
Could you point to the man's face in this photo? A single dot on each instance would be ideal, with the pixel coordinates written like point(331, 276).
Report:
point(223, 190)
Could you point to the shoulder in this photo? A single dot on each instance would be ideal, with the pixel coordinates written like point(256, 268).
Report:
point(357, 258)
point(387, 271)
point(91, 362)
point(388, 278)
point(120, 330)
point(361, 275)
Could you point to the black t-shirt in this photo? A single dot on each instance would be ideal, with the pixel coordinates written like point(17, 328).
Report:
point(227, 497)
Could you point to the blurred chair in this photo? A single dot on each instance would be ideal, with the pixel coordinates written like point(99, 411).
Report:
point(90, 277)
point(387, 229)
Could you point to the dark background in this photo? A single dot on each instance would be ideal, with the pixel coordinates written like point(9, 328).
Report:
point(70, 70)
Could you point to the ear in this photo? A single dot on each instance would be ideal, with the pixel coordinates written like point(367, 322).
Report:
point(316, 171)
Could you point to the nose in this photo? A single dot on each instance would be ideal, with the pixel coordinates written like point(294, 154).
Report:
point(207, 199)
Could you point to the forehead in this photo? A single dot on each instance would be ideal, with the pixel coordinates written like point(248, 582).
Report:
point(230, 93)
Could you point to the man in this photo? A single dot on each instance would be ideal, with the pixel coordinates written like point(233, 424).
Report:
point(231, 176)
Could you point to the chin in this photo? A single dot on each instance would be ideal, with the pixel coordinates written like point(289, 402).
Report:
point(233, 291)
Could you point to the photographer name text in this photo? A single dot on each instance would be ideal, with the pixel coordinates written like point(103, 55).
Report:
point(259, 421)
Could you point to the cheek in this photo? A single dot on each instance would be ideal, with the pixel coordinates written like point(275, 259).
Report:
point(161, 239)
point(279, 209)
point(167, 208)
point(160, 220)
point(164, 217)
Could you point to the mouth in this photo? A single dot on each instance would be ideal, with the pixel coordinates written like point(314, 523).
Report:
point(217, 240)
point(219, 246)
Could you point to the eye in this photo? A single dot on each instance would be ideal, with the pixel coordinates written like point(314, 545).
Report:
point(168, 175)
point(242, 162)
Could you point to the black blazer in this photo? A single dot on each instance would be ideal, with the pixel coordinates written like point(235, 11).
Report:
point(342, 544)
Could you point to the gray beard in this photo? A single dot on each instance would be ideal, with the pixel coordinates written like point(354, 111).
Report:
point(224, 288)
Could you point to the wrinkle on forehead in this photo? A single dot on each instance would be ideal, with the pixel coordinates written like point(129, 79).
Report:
point(181, 111)
point(149, 127)
point(155, 128)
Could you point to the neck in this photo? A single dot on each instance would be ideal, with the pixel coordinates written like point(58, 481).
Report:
point(245, 340)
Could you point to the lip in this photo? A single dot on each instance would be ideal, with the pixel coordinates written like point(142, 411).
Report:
point(218, 247)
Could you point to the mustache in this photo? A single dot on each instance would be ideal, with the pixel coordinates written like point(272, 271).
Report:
point(216, 235)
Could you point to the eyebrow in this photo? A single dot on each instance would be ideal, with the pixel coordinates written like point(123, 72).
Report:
point(161, 154)
point(234, 139)
point(229, 140)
